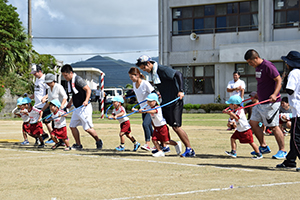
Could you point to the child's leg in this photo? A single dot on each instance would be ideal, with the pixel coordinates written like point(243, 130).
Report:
point(170, 142)
point(122, 138)
point(233, 144)
point(41, 139)
point(54, 138)
point(255, 147)
point(25, 135)
point(156, 144)
point(130, 137)
point(66, 141)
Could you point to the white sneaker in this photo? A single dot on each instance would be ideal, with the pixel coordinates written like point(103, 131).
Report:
point(159, 154)
point(178, 147)
point(146, 147)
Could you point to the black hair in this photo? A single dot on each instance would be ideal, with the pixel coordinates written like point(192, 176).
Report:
point(285, 99)
point(237, 72)
point(66, 69)
point(251, 54)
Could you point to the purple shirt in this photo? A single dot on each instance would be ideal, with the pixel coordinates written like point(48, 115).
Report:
point(265, 74)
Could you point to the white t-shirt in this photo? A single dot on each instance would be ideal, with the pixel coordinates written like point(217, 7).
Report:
point(232, 84)
point(242, 123)
point(24, 115)
point(40, 91)
point(59, 122)
point(117, 111)
point(294, 84)
point(157, 118)
point(143, 91)
point(34, 115)
point(58, 92)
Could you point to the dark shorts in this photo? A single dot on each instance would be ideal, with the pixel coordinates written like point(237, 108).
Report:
point(173, 113)
point(60, 133)
point(36, 129)
point(161, 134)
point(46, 113)
point(125, 127)
point(243, 137)
point(26, 127)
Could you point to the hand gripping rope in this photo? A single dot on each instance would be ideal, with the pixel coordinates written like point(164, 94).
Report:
point(65, 113)
point(162, 105)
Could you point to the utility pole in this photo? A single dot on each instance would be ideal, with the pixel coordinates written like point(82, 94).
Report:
point(29, 29)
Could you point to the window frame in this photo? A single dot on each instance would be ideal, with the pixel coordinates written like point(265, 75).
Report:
point(285, 11)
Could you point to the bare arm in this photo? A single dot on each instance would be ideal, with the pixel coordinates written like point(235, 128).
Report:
point(88, 94)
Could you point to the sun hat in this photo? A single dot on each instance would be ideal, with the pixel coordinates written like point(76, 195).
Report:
point(55, 102)
point(19, 101)
point(35, 68)
point(152, 97)
point(235, 99)
point(26, 100)
point(143, 59)
point(118, 99)
point(292, 59)
point(49, 78)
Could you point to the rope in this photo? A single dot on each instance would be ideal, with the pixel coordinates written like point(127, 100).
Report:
point(67, 112)
point(162, 105)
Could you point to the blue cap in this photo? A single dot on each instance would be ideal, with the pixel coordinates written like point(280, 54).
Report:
point(235, 99)
point(152, 97)
point(118, 98)
point(56, 103)
point(26, 100)
point(19, 101)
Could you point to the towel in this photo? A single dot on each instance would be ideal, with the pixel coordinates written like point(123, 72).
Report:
point(154, 76)
point(73, 85)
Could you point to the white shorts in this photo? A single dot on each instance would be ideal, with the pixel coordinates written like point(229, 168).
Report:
point(266, 113)
point(82, 117)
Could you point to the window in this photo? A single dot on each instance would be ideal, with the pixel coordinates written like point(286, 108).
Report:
point(286, 13)
point(198, 79)
point(227, 17)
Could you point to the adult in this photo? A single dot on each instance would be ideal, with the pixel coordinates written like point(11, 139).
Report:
point(236, 86)
point(293, 89)
point(169, 82)
point(81, 93)
point(40, 89)
point(268, 87)
point(55, 91)
point(142, 89)
point(98, 99)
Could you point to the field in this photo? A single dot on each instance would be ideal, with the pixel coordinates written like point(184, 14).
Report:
point(31, 173)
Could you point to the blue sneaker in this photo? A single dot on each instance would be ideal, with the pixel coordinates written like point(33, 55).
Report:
point(136, 146)
point(25, 142)
point(231, 153)
point(262, 150)
point(120, 148)
point(50, 141)
point(280, 155)
point(154, 151)
point(166, 149)
point(188, 153)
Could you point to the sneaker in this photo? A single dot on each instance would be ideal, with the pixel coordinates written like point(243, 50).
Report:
point(37, 142)
point(229, 129)
point(280, 155)
point(159, 154)
point(286, 166)
point(166, 149)
point(76, 147)
point(41, 146)
point(257, 156)
point(99, 144)
point(55, 146)
point(146, 147)
point(262, 150)
point(67, 149)
point(178, 147)
point(120, 148)
point(298, 169)
point(154, 151)
point(45, 136)
point(231, 153)
point(136, 146)
point(50, 141)
point(25, 142)
point(188, 153)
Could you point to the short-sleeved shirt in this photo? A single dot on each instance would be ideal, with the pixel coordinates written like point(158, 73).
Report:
point(58, 92)
point(157, 118)
point(40, 90)
point(59, 122)
point(118, 111)
point(294, 99)
point(265, 74)
point(231, 84)
point(143, 91)
point(34, 115)
point(242, 123)
point(25, 117)
point(80, 97)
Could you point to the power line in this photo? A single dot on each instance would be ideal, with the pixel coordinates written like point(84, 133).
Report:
point(93, 38)
point(105, 53)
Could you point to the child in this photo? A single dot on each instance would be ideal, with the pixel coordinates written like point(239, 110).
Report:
point(25, 118)
point(285, 115)
point(243, 132)
point(60, 130)
point(161, 131)
point(35, 115)
point(119, 111)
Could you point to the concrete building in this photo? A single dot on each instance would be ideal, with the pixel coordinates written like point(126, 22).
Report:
point(207, 39)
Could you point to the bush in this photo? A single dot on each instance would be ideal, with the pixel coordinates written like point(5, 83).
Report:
point(188, 106)
point(2, 92)
point(206, 107)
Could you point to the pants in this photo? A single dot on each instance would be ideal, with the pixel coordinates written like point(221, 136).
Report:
point(294, 142)
point(147, 126)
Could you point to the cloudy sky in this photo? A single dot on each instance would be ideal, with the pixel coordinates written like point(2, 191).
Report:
point(122, 23)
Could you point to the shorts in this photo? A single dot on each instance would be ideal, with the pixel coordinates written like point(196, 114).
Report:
point(125, 127)
point(36, 129)
point(161, 134)
point(243, 137)
point(26, 127)
point(173, 113)
point(60, 133)
point(82, 117)
point(268, 114)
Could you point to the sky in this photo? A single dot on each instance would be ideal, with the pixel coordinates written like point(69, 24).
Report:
point(112, 19)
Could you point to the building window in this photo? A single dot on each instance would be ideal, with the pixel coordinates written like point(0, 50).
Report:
point(198, 79)
point(286, 13)
point(227, 17)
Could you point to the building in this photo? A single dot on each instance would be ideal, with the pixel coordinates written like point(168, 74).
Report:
point(206, 40)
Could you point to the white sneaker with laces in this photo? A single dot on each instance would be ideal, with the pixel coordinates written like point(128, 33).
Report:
point(178, 147)
point(146, 147)
point(159, 154)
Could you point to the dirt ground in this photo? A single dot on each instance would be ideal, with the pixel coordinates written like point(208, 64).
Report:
point(31, 173)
